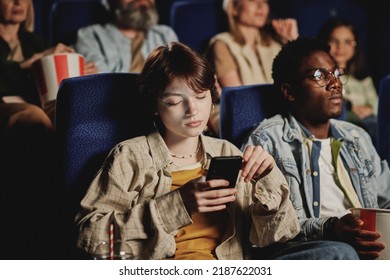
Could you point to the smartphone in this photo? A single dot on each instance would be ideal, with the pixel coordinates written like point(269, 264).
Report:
point(225, 167)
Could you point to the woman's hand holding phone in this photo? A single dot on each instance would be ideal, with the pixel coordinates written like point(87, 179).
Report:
point(213, 194)
point(199, 195)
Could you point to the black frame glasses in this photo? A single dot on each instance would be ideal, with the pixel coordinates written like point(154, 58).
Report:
point(322, 76)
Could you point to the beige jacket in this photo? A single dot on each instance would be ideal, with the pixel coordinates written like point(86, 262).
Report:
point(132, 191)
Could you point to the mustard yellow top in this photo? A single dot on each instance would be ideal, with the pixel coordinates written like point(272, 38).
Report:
point(198, 240)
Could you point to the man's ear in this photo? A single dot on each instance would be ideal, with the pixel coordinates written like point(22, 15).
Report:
point(288, 92)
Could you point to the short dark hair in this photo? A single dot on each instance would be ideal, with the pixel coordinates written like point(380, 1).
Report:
point(175, 60)
point(288, 61)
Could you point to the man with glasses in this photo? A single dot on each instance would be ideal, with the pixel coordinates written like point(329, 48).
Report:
point(330, 165)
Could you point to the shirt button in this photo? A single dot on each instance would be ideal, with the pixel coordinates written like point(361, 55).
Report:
point(315, 173)
point(315, 203)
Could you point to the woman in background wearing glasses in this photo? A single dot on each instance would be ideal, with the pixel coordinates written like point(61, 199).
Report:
point(359, 92)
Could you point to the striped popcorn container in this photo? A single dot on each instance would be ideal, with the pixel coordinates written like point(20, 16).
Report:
point(50, 70)
point(376, 220)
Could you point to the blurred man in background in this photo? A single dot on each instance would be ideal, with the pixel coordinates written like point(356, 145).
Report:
point(122, 44)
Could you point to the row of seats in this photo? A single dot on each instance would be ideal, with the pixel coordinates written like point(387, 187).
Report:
point(43, 10)
point(63, 27)
point(370, 18)
point(196, 21)
point(93, 115)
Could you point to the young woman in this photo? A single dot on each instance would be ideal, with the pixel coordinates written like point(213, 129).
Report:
point(152, 188)
point(360, 91)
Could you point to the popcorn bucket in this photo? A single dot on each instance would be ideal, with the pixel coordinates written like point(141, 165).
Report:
point(50, 70)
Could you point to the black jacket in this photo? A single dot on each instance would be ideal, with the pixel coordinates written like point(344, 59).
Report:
point(14, 80)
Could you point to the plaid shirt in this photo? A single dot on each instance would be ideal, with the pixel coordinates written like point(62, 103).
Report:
point(132, 191)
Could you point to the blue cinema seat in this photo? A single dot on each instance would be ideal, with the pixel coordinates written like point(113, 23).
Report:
point(93, 113)
point(383, 139)
point(196, 21)
point(243, 107)
point(68, 16)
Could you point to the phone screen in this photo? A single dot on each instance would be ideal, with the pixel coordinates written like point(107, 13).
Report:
point(225, 167)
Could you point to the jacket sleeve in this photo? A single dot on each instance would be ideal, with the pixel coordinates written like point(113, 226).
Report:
point(382, 173)
point(121, 196)
point(310, 228)
point(273, 215)
point(88, 44)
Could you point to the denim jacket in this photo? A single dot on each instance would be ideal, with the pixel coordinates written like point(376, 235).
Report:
point(370, 177)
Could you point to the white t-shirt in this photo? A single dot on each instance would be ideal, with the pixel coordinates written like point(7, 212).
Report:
point(333, 200)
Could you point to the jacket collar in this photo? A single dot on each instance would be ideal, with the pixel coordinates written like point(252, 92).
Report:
point(292, 131)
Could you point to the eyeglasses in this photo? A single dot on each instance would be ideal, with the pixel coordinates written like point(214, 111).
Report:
point(322, 76)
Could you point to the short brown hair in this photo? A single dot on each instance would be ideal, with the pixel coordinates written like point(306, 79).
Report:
point(175, 60)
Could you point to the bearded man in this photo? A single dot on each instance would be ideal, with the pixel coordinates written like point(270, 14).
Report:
point(122, 44)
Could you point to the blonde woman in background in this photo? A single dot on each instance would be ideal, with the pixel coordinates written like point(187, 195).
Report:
point(244, 55)
point(19, 49)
